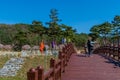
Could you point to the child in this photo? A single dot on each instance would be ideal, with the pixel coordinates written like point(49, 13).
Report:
point(42, 46)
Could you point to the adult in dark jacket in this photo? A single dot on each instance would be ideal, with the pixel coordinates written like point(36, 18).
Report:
point(89, 47)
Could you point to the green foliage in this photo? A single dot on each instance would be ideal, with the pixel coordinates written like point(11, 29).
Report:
point(37, 27)
point(102, 29)
point(80, 39)
point(22, 34)
point(116, 21)
point(94, 36)
point(53, 29)
point(20, 39)
point(116, 25)
point(6, 34)
point(67, 32)
point(107, 31)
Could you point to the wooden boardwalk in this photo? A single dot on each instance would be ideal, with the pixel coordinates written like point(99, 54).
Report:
point(95, 67)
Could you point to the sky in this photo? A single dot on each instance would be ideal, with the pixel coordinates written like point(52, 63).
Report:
point(79, 14)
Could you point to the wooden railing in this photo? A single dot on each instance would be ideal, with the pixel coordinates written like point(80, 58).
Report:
point(109, 51)
point(57, 67)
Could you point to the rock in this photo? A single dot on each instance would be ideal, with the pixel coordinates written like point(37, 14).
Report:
point(24, 53)
point(11, 67)
point(26, 47)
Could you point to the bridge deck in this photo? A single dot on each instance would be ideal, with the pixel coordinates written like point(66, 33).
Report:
point(95, 67)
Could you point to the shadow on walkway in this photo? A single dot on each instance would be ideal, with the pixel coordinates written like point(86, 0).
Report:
point(111, 61)
point(97, 67)
point(80, 55)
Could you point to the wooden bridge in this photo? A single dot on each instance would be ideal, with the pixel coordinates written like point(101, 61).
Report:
point(72, 66)
point(95, 67)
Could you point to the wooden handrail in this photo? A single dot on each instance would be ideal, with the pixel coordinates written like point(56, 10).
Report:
point(56, 66)
point(32, 74)
point(109, 51)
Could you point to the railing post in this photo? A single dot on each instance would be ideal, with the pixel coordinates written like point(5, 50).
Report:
point(32, 74)
point(60, 55)
point(118, 53)
point(52, 65)
point(61, 59)
point(40, 73)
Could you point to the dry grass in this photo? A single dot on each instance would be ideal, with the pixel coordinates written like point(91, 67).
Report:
point(30, 62)
point(3, 60)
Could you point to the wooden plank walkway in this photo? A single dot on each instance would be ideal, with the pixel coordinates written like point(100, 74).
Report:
point(95, 67)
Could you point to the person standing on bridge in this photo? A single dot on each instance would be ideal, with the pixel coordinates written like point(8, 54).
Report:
point(89, 47)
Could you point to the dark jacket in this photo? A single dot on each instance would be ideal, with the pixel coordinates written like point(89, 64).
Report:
point(89, 46)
